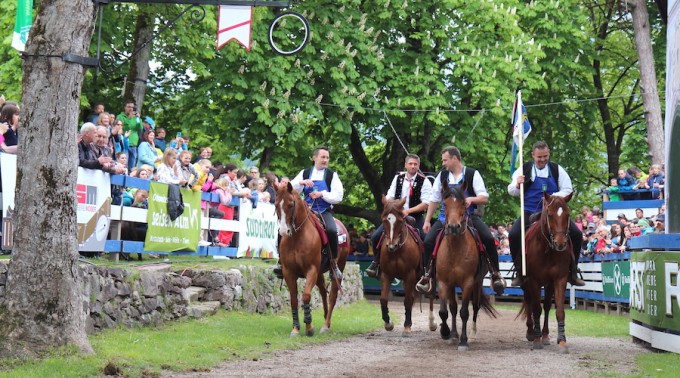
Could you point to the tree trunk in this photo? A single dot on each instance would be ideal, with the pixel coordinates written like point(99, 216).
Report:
point(135, 86)
point(650, 95)
point(43, 304)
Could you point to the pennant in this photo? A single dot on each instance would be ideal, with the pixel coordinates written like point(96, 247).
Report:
point(22, 24)
point(234, 22)
point(521, 128)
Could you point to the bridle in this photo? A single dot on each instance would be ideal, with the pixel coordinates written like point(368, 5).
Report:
point(550, 237)
point(292, 216)
point(401, 239)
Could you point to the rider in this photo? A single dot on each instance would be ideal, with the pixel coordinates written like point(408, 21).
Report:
point(418, 189)
point(549, 177)
point(455, 173)
point(322, 189)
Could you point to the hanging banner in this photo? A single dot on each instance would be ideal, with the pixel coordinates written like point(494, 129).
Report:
point(22, 25)
point(234, 22)
point(165, 235)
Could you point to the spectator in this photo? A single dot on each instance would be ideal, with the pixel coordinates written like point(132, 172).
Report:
point(159, 140)
point(204, 153)
point(131, 123)
point(224, 237)
point(147, 150)
point(645, 226)
point(622, 219)
point(584, 224)
point(590, 242)
point(360, 244)
point(615, 233)
point(119, 141)
point(187, 171)
point(634, 229)
point(655, 182)
point(660, 224)
point(604, 243)
point(103, 120)
point(260, 186)
point(179, 143)
point(87, 158)
point(168, 170)
point(504, 248)
point(639, 213)
point(97, 110)
point(587, 214)
point(625, 183)
point(271, 180)
point(614, 195)
point(578, 219)
point(148, 124)
point(9, 115)
point(203, 168)
point(639, 176)
point(623, 242)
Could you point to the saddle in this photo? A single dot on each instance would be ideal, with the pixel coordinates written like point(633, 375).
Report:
point(475, 235)
point(320, 228)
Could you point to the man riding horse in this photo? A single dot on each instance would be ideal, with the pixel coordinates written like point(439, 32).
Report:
point(412, 185)
point(322, 189)
point(453, 174)
point(541, 176)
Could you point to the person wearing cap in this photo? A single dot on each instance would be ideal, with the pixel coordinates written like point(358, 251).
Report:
point(623, 219)
point(645, 227)
point(660, 224)
point(542, 176)
point(148, 123)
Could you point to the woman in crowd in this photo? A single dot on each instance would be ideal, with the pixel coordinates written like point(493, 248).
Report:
point(270, 181)
point(622, 244)
point(616, 233)
point(118, 140)
point(223, 190)
point(187, 170)
point(147, 150)
point(168, 171)
point(9, 114)
point(160, 139)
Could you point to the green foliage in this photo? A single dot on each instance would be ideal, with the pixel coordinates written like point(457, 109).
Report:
point(10, 66)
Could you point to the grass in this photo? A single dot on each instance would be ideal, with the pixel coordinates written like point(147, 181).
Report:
point(201, 344)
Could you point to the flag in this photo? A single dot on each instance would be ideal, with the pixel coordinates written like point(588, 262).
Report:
point(234, 22)
point(22, 25)
point(521, 128)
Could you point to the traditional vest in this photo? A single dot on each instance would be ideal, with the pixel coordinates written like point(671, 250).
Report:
point(468, 176)
point(416, 190)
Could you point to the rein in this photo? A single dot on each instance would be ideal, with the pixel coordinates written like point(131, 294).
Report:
point(292, 218)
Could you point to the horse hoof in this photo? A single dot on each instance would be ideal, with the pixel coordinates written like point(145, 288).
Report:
point(462, 348)
point(295, 333)
point(389, 326)
point(433, 326)
point(546, 341)
point(530, 336)
point(537, 344)
point(406, 332)
point(324, 329)
point(564, 349)
point(309, 332)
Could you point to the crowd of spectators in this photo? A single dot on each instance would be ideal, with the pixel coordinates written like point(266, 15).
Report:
point(634, 184)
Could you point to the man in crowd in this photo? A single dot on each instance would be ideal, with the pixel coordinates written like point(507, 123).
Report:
point(454, 174)
point(539, 176)
point(131, 122)
point(87, 158)
point(417, 189)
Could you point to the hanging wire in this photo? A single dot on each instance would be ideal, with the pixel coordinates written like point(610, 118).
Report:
point(395, 132)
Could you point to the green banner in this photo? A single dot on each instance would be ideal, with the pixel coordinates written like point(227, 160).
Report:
point(22, 24)
point(616, 279)
point(655, 289)
point(165, 235)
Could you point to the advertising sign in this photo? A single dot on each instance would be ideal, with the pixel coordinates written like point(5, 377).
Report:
point(166, 235)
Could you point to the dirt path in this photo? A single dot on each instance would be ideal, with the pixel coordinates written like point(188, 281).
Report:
point(500, 349)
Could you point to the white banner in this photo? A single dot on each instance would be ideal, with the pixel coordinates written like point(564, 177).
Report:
point(234, 22)
point(259, 231)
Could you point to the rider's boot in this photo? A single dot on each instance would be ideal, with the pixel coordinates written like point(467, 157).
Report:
point(278, 270)
point(425, 286)
point(519, 279)
point(333, 243)
point(574, 279)
point(373, 270)
point(497, 283)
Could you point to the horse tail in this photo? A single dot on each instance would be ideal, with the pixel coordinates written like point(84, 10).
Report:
point(486, 305)
point(524, 312)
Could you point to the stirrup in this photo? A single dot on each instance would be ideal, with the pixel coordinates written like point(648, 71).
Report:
point(498, 283)
point(373, 270)
point(518, 280)
point(574, 279)
point(424, 286)
point(336, 273)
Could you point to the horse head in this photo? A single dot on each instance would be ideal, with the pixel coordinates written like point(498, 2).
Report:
point(556, 220)
point(393, 223)
point(286, 202)
point(454, 206)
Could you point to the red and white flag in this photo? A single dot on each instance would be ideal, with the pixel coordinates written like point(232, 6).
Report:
point(234, 22)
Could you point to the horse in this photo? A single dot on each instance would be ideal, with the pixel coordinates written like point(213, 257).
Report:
point(548, 258)
point(459, 264)
point(400, 257)
point(300, 256)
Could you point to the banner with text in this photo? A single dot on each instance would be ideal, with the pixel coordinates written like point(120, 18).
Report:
point(259, 231)
point(165, 235)
point(616, 279)
point(655, 289)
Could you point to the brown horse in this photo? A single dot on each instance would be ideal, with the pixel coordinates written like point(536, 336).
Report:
point(400, 258)
point(459, 264)
point(548, 257)
point(300, 256)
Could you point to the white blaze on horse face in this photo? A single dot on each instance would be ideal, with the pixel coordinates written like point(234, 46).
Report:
point(559, 212)
point(284, 230)
point(391, 219)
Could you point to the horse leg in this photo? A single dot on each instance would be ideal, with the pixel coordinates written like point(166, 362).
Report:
point(321, 284)
point(528, 310)
point(536, 314)
point(444, 329)
point(547, 304)
point(464, 316)
point(409, 285)
point(560, 290)
point(293, 290)
point(476, 304)
point(311, 279)
point(384, 297)
point(333, 297)
point(430, 318)
point(453, 306)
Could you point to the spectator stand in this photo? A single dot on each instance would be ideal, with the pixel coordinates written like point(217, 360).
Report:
point(116, 245)
point(611, 209)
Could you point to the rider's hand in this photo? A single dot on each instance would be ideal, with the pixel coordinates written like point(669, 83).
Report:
point(426, 226)
point(520, 180)
point(307, 182)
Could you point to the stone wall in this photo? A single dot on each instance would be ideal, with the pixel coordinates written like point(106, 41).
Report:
point(155, 293)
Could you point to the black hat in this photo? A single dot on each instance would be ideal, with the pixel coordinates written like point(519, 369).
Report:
point(622, 215)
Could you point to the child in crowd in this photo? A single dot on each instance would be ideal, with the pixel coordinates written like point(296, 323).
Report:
point(614, 195)
point(187, 170)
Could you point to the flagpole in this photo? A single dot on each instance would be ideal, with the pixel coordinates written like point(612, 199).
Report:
point(519, 118)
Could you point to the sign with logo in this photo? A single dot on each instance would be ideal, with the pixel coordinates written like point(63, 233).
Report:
point(165, 235)
point(616, 279)
point(259, 232)
point(655, 289)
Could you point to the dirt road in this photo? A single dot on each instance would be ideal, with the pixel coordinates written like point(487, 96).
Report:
point(499, 349)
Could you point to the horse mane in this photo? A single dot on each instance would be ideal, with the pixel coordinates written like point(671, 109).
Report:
point(391, 207)
point(453, 191)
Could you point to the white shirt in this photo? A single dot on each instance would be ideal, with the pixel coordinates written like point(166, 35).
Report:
point(333, 196)
point(477, 185)
point(425, 191)
point(563, 183)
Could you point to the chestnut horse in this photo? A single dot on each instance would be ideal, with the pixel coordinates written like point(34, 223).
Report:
point(300, 257)
point(548, 258)
point(400, 257)
point(460, 264)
